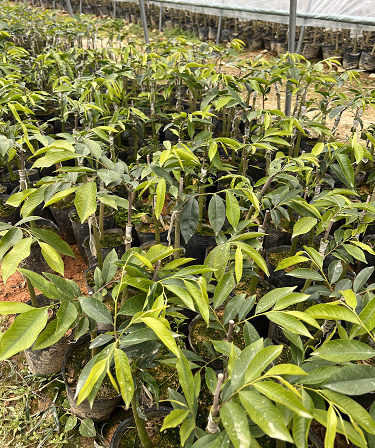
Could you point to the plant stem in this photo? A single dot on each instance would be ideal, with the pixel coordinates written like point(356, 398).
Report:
point(98, 247)
point(34, 299)
point(293, 247)
point(141, 425)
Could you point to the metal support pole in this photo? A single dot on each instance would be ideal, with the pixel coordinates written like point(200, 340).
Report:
point(80, 6)
point(144, 21)
point(69, 8)
point(161, 18)
point(300, 40)
point(114, 10)
point(219, 30)
point(54, 4)
point(291, 49)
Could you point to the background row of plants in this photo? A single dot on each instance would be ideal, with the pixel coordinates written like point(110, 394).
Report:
point(254, 228)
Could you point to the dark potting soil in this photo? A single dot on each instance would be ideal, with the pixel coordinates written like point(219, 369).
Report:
point(76, 362)
point(75, 218)
point(206, 231)
point(201, 334)
point(5, 210)
point(109, 240)
point(150, 228)
point(276, 258)
point(165, 376)
point(64, 203)
point(244, 288)
point(169, 438)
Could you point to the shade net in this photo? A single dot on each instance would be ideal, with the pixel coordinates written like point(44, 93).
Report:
point(357, 15)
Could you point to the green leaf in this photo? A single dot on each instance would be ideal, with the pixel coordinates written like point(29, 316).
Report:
point(23, 332)
point(301, 428)
point(356, 379)
point(160, 197)
point(346, 168)
point(108, 176)
point(290, 261)
point(272, 297)
point(216, 213)
point(56, 329)
point(189, 219)
point(288, 322)
point(53, 240)
point(254, 254)
point(60, 195)
point(235, 422)
point(355, 252)
point(12, 259)
point(232, 210)
point(367, 317)
point(85, 200)
point(95, 375)
point(278, 393)
point(290, 300)
point(87, 428)
point(176, 417)
point(350, 298)
point(344, 350)
point(223, 289)
point(343, 427)
point(199, 299)
point(263, 412)
point(331, 311)
point(186, 380)
point(124, 376)
point(306, 273)
point(303, 226)
point(285, 369)
point(96, 310)
point(334, 271)
point(238, 264)
point(352, 408)
point(70, 423)
point(362, 277)
point(52, 257)
point(12, 237)
point(186, 429)
point(163, 333)
point(329, 440)
point(14, 308)
point(261, 360)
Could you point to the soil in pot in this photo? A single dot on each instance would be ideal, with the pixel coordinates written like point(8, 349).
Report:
point(200, 336)
point(112, 239)
point(106, 399)
point(49, 360)
point(278, 237)
point(126, 435)
point(81, 231)
point(32, 176)
point(60, 211)
point(280, 279)
point(35, 261)
point(146, 232)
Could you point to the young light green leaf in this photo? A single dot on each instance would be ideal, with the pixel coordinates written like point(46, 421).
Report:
point(163, 333)
point(235, 422)
point(176, 417)
point(85, 200)
point(160, 197)
point(124, 376)
point(23, 332)
point(344, 351)
point(303, 226)
point(264, 413)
